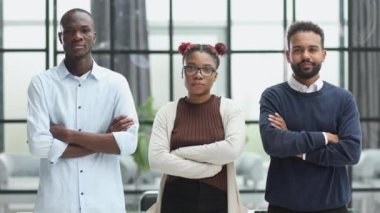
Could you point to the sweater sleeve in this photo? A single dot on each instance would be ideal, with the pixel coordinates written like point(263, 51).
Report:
point(160, 158)
point(347, 150)
point(284, 143)
point(227, 150)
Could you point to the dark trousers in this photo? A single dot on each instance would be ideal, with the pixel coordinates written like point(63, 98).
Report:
point(277, 209)
point(192, 196)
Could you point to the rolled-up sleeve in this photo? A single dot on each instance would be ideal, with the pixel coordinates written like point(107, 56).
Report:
point(124, 105)
point(56, 150)
point(127, 141)
point(40, 140)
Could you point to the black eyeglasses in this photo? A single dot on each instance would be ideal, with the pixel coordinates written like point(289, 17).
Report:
point(192, 70)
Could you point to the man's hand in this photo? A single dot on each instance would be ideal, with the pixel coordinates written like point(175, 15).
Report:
point(120, 123)
point(277, 121)
point(61, 133)
point(332, 138)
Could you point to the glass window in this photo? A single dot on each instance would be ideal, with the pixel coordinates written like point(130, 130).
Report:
point(257, 36)
point(24, 36)
point(15, 138)
point(24, 28)
point(19, 68)
point(200, 12)
point(335, 35)
point(64, 6)
point(251, 75)
point(157, 14)
point(159, 79)
point(20, 10)
point(253, 27)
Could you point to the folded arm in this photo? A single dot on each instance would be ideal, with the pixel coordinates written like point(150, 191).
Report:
point(280, 142)
point(74, 151)
point(220, 152)
point(277, 121)
point(347, 151)
point(161, 160)
point(97, 142)
point(121, 136)
point(343, 148)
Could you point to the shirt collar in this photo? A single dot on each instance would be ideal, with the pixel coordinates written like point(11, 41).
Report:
point(296, 85)
point(96, 72)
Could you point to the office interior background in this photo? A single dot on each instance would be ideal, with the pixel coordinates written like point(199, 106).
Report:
point(139, 38)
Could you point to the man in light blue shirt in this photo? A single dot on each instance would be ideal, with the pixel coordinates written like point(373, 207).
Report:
point(81, 118)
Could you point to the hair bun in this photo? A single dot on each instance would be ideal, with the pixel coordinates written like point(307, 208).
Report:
point(221, 48)
point(184, 47)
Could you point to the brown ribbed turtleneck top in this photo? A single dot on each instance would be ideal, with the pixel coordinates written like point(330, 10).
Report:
point(198, 124)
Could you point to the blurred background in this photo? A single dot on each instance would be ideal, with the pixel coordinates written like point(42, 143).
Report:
point(139, 38)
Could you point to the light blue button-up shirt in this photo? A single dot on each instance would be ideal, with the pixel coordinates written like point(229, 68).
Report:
point(86, 184)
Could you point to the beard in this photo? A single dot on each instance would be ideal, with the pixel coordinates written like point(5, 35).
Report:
point(306, 73)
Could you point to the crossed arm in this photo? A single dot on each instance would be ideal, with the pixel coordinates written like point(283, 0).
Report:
point(224, 151)
point(85, 143)
point(195, 161)
point(278, 122)
point(340, 151)
point(164, 161)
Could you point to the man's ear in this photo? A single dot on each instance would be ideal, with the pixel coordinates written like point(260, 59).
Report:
point(60, 37)
point(287, 55)
point(324, 53)
point(94, 40)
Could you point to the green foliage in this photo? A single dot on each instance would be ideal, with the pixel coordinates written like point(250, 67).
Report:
point(145, 114)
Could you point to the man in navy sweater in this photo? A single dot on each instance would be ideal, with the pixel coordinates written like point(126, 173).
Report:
point(311, 130)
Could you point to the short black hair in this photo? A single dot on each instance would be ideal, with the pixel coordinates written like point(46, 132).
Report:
point(305, 26)
point(74, 10)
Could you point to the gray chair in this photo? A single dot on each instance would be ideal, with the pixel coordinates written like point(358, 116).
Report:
point(367, 171)
point(147, 199)
point(249, 165)
point(17, 165)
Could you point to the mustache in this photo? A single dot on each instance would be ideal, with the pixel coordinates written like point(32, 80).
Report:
point(306, 61)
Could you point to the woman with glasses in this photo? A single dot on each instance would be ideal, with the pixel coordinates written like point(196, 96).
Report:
point(196, 139)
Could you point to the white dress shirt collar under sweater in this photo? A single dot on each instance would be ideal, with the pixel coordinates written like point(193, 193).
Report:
point(296, 85)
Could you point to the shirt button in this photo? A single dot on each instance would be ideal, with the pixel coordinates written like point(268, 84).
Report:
point(81, 193)
point(79, 107)
point(79, 130)
point(80, 85)
point(81, 171)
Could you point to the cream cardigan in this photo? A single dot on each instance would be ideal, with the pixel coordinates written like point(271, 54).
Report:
point(202, 160)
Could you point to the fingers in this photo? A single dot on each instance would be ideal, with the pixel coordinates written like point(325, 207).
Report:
point(275, 126)
point(117, 119)
point(278, 115)
point(332, 138)
point(277, 121)
point(121, 123)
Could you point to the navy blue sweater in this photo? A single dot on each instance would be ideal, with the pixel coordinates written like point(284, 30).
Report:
point(320, 181)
